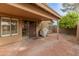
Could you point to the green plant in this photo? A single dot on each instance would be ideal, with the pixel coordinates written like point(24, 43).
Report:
point(70, 20)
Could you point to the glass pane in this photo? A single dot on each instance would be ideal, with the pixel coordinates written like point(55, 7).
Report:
point(5, 23)
point(13, 26)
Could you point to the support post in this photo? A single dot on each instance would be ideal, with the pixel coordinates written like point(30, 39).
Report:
point(57, 30)
point(77, 32)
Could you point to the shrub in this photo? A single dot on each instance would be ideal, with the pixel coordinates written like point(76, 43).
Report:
point(70, 20)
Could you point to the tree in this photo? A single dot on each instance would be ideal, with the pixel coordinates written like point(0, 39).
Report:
point(70, 20)
point(66, 7)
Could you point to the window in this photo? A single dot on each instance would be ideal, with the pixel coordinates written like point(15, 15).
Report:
point(5, 26)
point(13, 26)
point(8, 26)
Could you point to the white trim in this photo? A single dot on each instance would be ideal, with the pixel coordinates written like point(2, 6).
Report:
point(2, 17)
point(14, 19)
point(15, 34)
point(5, 35)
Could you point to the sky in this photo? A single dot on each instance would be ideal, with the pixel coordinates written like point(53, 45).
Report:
point(57, 7)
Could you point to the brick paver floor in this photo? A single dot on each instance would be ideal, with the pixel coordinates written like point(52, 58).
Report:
point(49, 46)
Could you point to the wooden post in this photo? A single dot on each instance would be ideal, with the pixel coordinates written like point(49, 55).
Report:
point(37, 28)
point(77, 35)
point(57, 30)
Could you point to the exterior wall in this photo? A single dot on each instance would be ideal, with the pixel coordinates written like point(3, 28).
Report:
point(13, 38)
point(41, 25)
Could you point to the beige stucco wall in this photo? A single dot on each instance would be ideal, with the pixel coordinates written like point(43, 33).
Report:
point(41, 25)
point(44, 24)
point(12, 38)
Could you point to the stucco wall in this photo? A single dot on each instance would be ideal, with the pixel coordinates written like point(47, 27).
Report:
point(41, 25)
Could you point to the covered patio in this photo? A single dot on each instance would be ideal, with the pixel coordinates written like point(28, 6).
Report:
point(48, 46)
point(26, 19)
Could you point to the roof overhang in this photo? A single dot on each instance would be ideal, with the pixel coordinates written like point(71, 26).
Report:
point(47, 8)
point(30, 11)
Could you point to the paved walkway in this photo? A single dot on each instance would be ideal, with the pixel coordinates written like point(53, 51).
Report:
point(48, 46)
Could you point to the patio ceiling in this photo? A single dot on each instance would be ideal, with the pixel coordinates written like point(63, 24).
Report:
point(29, 11)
